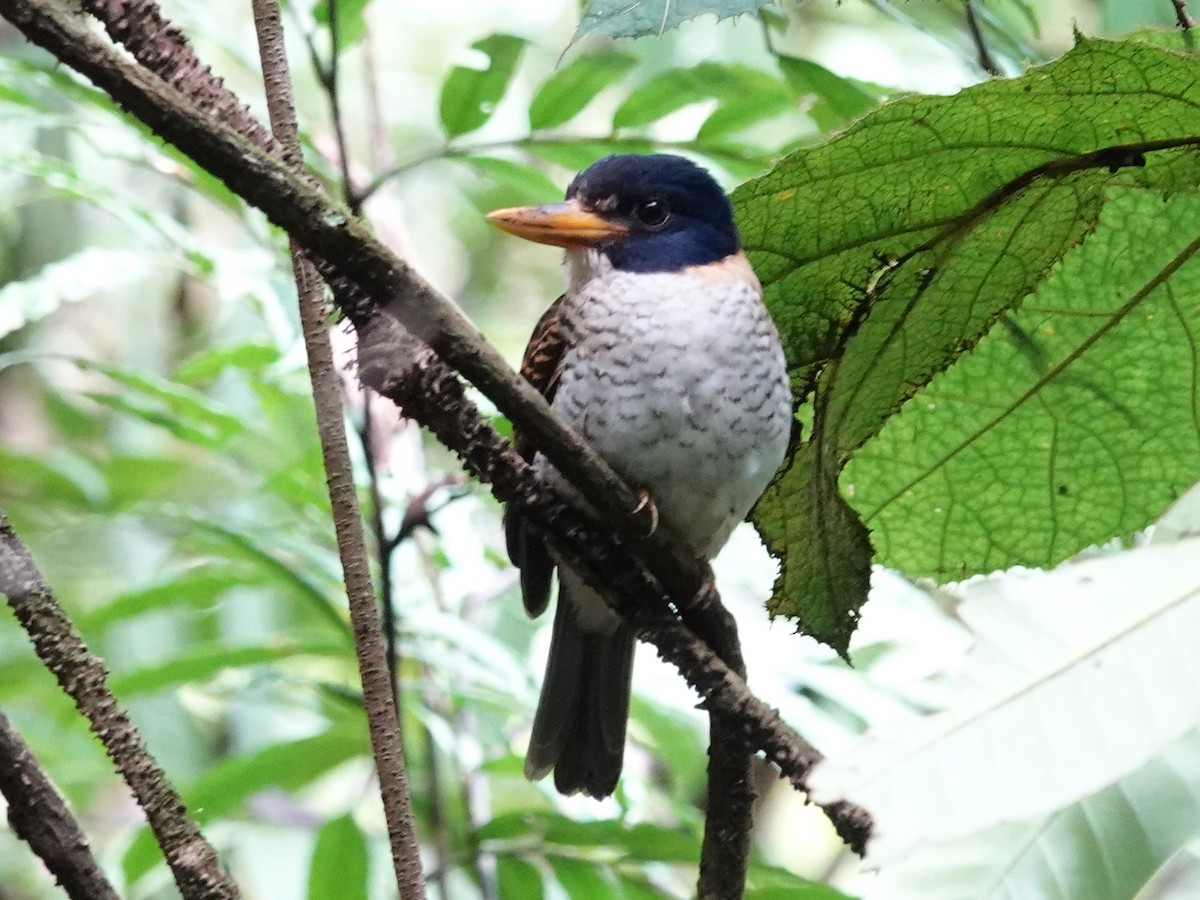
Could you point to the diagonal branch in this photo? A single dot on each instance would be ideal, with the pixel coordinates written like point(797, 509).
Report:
point(39, 815)
point(82, 676)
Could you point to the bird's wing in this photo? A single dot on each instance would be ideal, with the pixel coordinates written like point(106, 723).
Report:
point(541, 366)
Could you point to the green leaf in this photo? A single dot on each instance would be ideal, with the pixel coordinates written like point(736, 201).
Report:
point(758, 93)
point(340, 864)
point(74, 421)
point(1073, 641)
point(581, 878)
point(891, 250)
point(132, 480)
point(637, 886)
point(575, 85)
point(351, 20)
point(260, 551)
point(80, 276)
point(799, 889)
point(676, 739)
point(519, 880)
point(765, 882)
point(60, 479)
point(840, 99)
point(657, 843)
point(199, 588)
point(470, 95)
point(747, 96)
point(1091, 391)
point(211, 363)
point(511, 183)
point(185, 413)
point(826, 550)
point(620, 18)
point(555, 833)
point(577, 155)
point(204, 662)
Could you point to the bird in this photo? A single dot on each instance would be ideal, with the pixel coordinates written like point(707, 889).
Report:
point(662, 355)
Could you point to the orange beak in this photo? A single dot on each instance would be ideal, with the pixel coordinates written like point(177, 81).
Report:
point(568, 224)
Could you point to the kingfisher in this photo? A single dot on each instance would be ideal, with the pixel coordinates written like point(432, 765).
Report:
point(663, 357)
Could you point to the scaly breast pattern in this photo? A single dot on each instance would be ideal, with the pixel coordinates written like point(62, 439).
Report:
point(679, 381)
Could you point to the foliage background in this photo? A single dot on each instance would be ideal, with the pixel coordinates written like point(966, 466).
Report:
point(157, 453)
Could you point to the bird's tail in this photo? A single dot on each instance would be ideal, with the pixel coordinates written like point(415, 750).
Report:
point(579, 727)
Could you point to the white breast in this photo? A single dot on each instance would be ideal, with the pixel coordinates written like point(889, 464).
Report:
point(679, 381)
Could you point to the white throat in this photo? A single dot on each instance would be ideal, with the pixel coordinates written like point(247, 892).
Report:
point(584, 265)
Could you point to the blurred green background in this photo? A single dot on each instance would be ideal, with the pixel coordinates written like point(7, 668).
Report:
point(157, 449)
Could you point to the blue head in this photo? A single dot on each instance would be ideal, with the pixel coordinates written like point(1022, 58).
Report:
point(652, 213)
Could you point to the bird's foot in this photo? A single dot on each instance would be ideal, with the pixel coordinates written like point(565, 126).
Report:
point(646, 509)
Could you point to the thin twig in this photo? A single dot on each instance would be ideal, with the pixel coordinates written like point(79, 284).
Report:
point(1181, 15)
point(329, 80)
point(383, 551)
point(984, 54)
point(382, 717)
point(38, 814)
point(380, 148)
point(417, 515)
point(83, 677)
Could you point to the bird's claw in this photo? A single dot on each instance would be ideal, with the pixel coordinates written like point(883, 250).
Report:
point(645, 506)
point(707, 591)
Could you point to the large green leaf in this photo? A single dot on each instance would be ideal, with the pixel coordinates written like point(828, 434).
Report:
point(893, 249)
point(1068, 761)
point(1089, 428)
point(470, 95)
point(620, 18)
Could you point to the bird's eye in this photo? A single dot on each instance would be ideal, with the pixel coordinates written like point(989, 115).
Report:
point(653, 213)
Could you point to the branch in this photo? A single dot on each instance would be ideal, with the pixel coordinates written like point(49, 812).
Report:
point(382, 714)
point(39, 815)
point(729, 812)
point(82, 676)
point(986, 62)
point(1181, 15)
point(350, 255)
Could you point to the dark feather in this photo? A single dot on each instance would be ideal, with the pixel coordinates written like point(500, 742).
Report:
point(579, 727)
point(541, 367)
